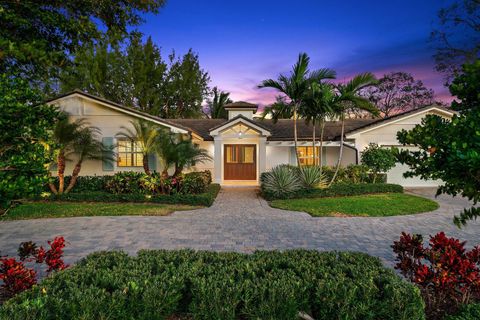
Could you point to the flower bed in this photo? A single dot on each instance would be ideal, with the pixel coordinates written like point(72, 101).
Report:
point(208, 285)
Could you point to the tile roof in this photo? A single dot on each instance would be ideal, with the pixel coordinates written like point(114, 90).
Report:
point(240, 105)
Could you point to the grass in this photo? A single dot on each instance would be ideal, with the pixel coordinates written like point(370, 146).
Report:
point(372, 205)
point(36, 210)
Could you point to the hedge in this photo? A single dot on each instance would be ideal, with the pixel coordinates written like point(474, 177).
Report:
point(468, 312)
point(202, 199)
point(210, 285)
point(342, 189)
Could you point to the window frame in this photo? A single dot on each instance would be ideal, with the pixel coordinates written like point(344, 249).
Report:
point(132, 154)
point(308, 158)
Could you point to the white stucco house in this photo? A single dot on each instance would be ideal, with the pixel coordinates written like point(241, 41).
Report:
point(242, 147)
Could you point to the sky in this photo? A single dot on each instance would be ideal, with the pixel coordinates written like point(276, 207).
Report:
point(241, 43)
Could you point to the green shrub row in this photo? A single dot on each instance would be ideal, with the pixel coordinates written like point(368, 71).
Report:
point(209, 285)
point(84, 183)
point(201, 199)
point(339, 189)
point(468, 312)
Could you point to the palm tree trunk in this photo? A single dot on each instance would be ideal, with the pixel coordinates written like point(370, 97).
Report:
point(146, 168)
point(61, 171)
point(321, 145)
point(340, 152)
point(75, 173)
point(178, 170)
point(295, 134)
point(313, 144)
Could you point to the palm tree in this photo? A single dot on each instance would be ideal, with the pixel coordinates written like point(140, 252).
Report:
point(280, 109)
point(65, 135)
point(179, 152)
point(295, 85)
point(216, 106)
point(316, 106)
point(348, 97)
point(87, 147)
point(145, 134)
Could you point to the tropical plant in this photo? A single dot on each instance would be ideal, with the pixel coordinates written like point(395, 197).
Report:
point(25, 132)
point(280, 109)
point(378, 159)
point(348, 97)
point(281, 181)
point(216, 106)
point(145, 135)
point(312, 177)
point(179, 152)
point(295, 85)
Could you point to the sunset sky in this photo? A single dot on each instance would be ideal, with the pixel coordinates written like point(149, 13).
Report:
point(241, 43)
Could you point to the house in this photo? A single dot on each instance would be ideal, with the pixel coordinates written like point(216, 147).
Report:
point(241, 146)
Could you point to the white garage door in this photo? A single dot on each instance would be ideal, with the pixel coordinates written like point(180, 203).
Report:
point(396, 176)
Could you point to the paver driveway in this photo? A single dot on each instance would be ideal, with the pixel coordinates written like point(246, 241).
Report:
point(241, 221)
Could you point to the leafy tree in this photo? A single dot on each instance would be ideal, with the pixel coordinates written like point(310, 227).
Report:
point(348, 97)
point(449, 149)
point(216, 106)
point(179, 152)
point(457, 36)
point(38, 35)
point(378, 159)
point(280, 109)
point(146, 135)
point(26, 129)
point(399, 92)
point(295, 85)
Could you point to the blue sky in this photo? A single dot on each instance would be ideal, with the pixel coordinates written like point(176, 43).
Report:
point(240, 43)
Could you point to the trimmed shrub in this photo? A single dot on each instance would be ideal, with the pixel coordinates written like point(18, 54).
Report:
point(468, 312)
point(202, 199)
point(340, 190)
point(84, 183)
point(210, 285)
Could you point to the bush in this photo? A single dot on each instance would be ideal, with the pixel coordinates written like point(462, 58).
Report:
point(209, 285)
point(202, 199)
point(340, 190)
point(468, 312)
point(196, 182)
point(281, 181)
point(446, 273)
point(125, 182)
point(84, 183)
point(312, 177)
point(378, 159)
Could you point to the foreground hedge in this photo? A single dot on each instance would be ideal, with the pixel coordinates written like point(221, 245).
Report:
point(340, 189)
point(469, 312)
point(208, 285)
point(202, 199)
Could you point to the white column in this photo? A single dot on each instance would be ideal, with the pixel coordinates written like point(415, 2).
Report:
point(262, 155)
point(217, 159)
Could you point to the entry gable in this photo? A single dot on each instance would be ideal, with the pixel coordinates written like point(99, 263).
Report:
point(240, 126)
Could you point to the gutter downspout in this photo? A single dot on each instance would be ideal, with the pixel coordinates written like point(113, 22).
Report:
point(353, 148)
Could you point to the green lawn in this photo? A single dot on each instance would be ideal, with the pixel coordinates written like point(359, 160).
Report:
point(35, 210)
point(372, 205)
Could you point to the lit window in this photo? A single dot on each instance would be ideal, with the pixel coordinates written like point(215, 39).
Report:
point(305, 155)
point(129, 154)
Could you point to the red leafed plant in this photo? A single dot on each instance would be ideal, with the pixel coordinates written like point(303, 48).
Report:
point(447, 274)
point(16, 277)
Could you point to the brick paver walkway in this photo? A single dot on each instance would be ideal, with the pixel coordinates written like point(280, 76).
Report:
point(241, 221)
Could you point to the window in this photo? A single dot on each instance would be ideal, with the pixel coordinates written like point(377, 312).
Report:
point(305, 155)
point(129, 154)
point(240, 154)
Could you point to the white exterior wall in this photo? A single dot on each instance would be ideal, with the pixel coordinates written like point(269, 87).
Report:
point(277, 156)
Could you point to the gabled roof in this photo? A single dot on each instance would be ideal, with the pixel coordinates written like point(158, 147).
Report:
point(399, 116)
point(241, 105)
point(123, 109)
point(241, 119)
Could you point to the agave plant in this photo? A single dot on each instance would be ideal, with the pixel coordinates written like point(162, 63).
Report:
point(281, 181)
point(312, 177)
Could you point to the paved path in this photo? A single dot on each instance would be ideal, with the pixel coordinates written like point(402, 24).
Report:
point(241, 221)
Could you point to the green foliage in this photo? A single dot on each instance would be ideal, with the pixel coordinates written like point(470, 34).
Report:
point(124, 182)
point(312, 177)
point(209, 285)
point(26, 130)
point(84, 183)
point(202, 199)
point(281, 181)
point(378, 159)
point(195, 182)
point(465, 87)
point(338, 190)
point(468, 312)
point(216, 106)
point(134, 74)
point(36, 37)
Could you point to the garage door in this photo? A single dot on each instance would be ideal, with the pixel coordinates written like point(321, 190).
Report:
point(396, 176)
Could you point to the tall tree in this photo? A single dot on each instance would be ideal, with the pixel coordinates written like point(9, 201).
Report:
point(280, 109)
point(216, 106)
point(36, 36)
point(398, 92)
point(348, 97)
point(26, 131)
point(457, 37)
point(295, 85)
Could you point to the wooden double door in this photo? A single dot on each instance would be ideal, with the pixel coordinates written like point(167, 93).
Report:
point(240, 162)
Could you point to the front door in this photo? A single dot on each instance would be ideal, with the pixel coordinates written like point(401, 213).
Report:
point(240, 162)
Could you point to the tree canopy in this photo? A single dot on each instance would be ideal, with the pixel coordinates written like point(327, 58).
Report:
point(37, 36)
